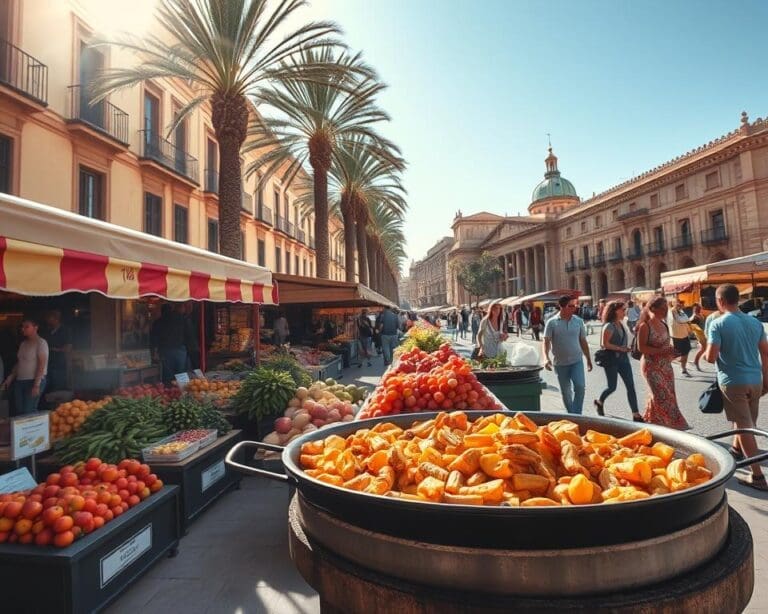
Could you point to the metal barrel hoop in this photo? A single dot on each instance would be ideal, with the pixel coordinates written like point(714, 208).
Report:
point(246, 469)
point(746, 462)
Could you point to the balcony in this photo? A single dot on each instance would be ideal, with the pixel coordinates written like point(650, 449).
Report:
point(598, 260)
point(570, 267)
point(24, 75)
point(635, 253)
point(656, 248)
point(281, 224)
point(211, 181)
point(291, 230)
point(311, 242)
point(302, 237)
point(102, 118)
point(161, 151)
point(583, 264)
point(710, 236)
point(247, 203)
point(682, 242)
point(631, 215)
point(264, 214)
point(616, 256)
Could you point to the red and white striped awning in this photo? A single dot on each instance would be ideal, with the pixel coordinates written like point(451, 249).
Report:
point(45, 251)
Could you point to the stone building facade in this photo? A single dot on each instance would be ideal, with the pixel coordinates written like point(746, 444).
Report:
point(706, 205)
point(428, 277)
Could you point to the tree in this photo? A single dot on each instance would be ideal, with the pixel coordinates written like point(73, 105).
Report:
point(477, 276)
point(313, 120)
point(226, 51)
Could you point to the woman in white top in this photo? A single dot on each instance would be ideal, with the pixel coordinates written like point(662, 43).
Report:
point(492, 333)
point(30, 370)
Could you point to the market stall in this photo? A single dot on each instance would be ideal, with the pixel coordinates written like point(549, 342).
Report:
point(698, 284)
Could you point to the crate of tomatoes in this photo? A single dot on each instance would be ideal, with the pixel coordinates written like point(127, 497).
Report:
point(85, 534)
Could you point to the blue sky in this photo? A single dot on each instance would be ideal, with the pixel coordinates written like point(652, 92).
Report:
point(474, 86)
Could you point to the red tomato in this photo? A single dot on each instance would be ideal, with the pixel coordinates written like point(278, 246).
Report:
point(93, 464)
point(12, 509)
point(31, 509)
point(63, 539)
point(62, 524)
point(44, 537)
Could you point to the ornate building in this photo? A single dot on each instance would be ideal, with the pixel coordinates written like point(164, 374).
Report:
point(703, 206)
point(428, 276)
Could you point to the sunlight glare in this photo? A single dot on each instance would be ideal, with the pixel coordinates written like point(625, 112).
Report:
point(114, 16)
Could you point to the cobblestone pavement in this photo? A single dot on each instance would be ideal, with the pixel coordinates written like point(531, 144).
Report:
point(235, 558)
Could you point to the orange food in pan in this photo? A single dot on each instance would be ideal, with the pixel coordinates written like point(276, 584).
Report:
point(501, 460)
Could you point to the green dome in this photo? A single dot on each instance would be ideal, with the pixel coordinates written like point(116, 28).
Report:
point(553, 187)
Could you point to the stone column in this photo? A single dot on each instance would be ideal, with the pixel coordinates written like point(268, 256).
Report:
point(530, 270)
point(506, 276)
point(516, 257)
point(547, 268)
point(537, 269)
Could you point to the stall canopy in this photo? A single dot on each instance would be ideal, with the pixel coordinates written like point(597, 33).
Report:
point(747, 269)
point(640, 293)
point(548, 296)
point(295, 289)
point(45, 251)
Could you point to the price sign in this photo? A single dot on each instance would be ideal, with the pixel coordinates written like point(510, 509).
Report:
point(125, 554)
point(198, 374)
point(212, 474)
point(30, 434)
point(14, 481)
point(182, 379)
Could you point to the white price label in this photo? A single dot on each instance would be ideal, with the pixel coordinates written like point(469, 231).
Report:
point(182, 379)
point(125, 554)
point(30, 434)
point(212, 475)
point(20, 479)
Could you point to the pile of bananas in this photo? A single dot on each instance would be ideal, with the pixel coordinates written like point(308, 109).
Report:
point(264, 392)
point(119, 430)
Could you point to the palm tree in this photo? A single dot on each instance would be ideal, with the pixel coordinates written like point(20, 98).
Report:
point(226, 50)
point(314, 120)
point(360, 175)
point(385, 235)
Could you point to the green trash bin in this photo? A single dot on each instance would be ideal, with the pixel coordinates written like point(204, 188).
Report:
point(519, 389)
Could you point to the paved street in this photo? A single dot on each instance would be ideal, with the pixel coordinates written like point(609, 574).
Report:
point(235, 558)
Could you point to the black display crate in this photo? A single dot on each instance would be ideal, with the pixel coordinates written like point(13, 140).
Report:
point(93, 571)
point(202, 477)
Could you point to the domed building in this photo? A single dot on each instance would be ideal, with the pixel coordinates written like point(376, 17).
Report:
point(555, 194)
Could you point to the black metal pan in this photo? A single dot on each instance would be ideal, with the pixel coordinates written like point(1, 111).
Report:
point(510, 527)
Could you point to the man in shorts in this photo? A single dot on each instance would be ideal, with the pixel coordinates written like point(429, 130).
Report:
point(677, 320)
point(738, 344)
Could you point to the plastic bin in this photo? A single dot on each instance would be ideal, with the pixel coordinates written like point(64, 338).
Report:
point(518, 396)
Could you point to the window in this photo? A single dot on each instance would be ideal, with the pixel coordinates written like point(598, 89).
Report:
point(180, 141)
point(717, 219)
point(91, 63)
point(713, 180)
point(583, 227)
point(685, 228)
point(617, 245)
point(278, 259)
point(304, 267)
point(573, 256)
point(261, 253)
point(637, 242)
point(259, 201)
point(680, 191)
point(312, 268)
point(287, 262)
point(296, 265)
point(615, 214)
point(151, 123)
point(153, 214)
point(598, 221)
point(91, 197)
point(654, 201)
point(658, 236)
point(277, 204)
point(242, 246)
point(6, 154)
point(632, 207)
point(600, 248)
point(568, 231)
point(180, 224)
point(211, 166)
point(213, 235)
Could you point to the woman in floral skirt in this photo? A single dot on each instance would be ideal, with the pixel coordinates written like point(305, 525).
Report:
point(656, 366)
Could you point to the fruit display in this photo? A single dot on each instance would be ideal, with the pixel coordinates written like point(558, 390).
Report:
point(424, 381)
point(192, 435)
point(309, 357)
point(427, 339)
point(217, 392)
point(172, 447)
point(119, 430)
point(321, 404)
point(488, 364)
point(501, 460)
point(160, 391)
point(211, 418)
point(282, 361)
point(68, 417)
point(74, 502)
point(236, 365)
point(342, 339)
point(263, 392)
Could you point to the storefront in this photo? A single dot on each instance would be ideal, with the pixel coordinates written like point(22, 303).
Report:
point(109, 284)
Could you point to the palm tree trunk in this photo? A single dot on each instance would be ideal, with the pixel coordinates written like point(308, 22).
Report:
point(229, 117)
point(348, 217)
point(362, 249)
point(380, 268)
point(372, 269)
point(320, 160)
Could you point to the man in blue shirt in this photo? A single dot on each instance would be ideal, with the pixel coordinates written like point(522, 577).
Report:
point(566, 336)
point(387, 325)
point(737, 343)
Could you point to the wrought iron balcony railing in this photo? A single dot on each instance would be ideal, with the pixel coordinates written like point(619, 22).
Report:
point(247, 203)
point(598, 260)
point(211, 183)
point(311, 242)
point(682, 242)
point(714, 235)
point(264, 214)
point(570, 266)
point(291, 231)
point(104, 116)
point(23, 73)
point(634, 253)
point(302, 236)
point(656, 248)
point(583, 264)
point(154, 147)
point(616, 256)
point(628, 215)
point(281, 224)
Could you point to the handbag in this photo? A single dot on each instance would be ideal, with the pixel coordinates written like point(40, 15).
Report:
point(711, 400)
point(635, 350)
point(604, 358)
